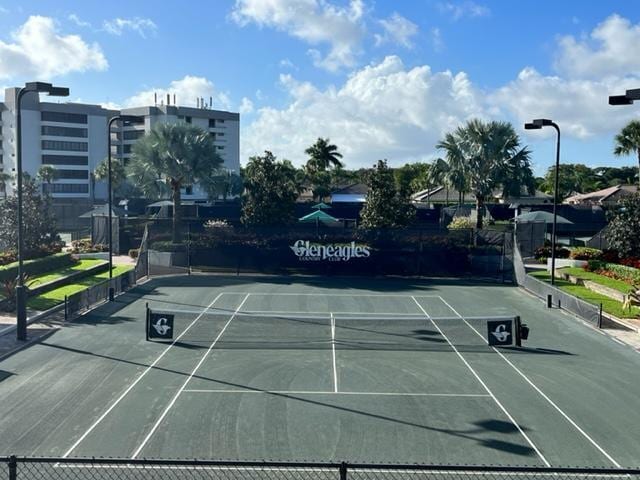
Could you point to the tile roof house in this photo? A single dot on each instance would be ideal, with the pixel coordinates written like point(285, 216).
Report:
point(606, 196)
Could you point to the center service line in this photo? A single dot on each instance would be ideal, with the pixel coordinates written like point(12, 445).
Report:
point(535, 387)
point(333, 352)
point(526, 437)
point(193, 372)
point(125, 393)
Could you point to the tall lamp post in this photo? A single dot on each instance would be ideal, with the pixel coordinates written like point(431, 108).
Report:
point(627, 99)
point(537, 124)
point(21, 298)
point(124, 119)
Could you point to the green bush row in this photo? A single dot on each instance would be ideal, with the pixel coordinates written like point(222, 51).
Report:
point(37, 266)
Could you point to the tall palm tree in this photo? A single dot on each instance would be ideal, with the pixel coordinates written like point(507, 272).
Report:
point(118, 172)
point(322, 156)
point(628, 142)
point(485, 152)
point(438, 175)
point(47, 175)
point(170, 157)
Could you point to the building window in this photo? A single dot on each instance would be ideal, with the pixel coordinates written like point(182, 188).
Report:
point(65, 174)
point(132, 134)
point(188, 190)
point(221, 134)
point(64, 131)
point(66, 188)
point(65, 160)
point(212, 123)
point(220, 147)
point(63, 117)
point(187, 119)
point(65, 146)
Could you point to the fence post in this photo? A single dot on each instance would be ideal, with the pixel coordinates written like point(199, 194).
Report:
point(66, 309)
point(343, 471)
point(600, 317)
point(146, 323)
point(188, 248)
point(549, 301)
point(13, 467)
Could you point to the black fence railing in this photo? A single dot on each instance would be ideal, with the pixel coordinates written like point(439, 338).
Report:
point(17, 468)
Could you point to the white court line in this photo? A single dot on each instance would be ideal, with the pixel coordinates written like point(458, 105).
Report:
point(314, 392)
point(544, 395)
point(124, 394)
point(333, 353)
point(193, 372)
point(526, 437)
point(332, 294)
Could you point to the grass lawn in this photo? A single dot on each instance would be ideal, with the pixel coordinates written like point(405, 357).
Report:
point(599, 279)
point(609, 305)
point(55, 297)
point(84, 264)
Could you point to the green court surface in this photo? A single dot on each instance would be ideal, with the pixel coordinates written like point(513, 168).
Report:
point(325, 369)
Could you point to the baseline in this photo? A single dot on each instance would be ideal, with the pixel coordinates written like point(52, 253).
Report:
point(313, 392)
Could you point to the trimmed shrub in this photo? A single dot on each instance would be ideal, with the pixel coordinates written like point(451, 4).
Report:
point(85, 246)
point(542, 253)
point(610, 256)
point(585, 253)
point(37, 266)
point(169, 247)
point(460, 223)
point(622, 272)
point(633, 262)
point(134, 252)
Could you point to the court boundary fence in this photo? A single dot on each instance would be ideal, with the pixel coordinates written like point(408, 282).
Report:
point(554, 296)
point(65, 468)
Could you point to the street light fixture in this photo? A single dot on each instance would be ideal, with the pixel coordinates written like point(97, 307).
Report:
point(21, 300)
point(537, 125)
point(627, 99)
point(124, 119)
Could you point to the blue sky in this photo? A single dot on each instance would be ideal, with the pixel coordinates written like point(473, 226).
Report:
point(382, 79)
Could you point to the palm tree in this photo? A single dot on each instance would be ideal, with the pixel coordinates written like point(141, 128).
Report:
point(486, 152)
point(438, 175)
point(118, 172)
point(47, 175)
point(628, 142)
point(322, 156)
point(170, 157)
point(4, 179)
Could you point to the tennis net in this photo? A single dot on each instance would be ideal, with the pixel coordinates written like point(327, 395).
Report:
point(339, 330)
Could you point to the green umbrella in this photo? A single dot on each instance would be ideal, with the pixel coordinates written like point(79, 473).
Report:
point(318, 216)
point(321, 206)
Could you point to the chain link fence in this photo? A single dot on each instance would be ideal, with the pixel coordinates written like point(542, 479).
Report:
point(112, 469)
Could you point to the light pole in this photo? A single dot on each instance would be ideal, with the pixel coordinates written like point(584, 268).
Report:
point(537, 125)
point(21, 299)
point(112, 120)
point(627, 99)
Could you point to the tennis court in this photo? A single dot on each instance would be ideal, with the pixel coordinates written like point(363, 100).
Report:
point(325, 369)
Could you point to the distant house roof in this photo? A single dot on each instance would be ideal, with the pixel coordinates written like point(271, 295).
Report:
point(441, 194)
point(610, 194)
point(354, 193)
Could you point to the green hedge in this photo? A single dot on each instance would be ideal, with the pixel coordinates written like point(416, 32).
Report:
point(37, 266)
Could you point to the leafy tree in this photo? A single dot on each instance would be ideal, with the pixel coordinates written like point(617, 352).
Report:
point(39, 224)
point(170, 157)
point(271, 190)
point(485, 152)
point(322, 156)
point(118, 173)
point(4, 179)
point(610, 176)
point(411, 178)
point(627, 142)
point(386, 205)
point(572, 178)
point(623, 232)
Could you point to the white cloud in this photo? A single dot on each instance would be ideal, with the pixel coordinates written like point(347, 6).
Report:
point(579, 106)
point(609, 50)
point(142, 26)
point(286, 63)
point(187, 90)
point(317, 22)
point(39, 50)
point(383, 110)
point(246, 106)
point(397, 29)
point(78, 21)
point(458, 10)
point(436, 40)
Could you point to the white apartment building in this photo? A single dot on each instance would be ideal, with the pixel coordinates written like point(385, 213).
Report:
point(72, 138)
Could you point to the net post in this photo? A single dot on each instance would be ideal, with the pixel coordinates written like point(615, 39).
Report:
point(13, 467)
point(343, 471)
point(188, 248)
point(518, 325)
point(146, 323)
